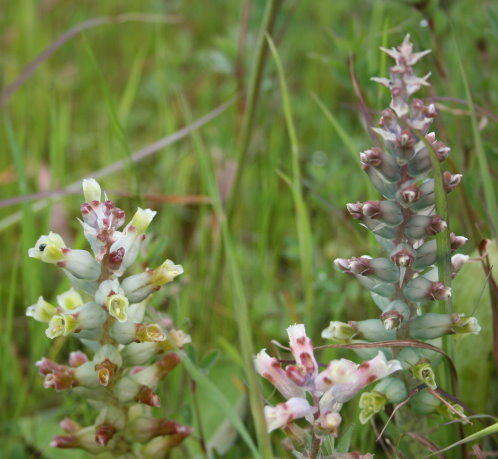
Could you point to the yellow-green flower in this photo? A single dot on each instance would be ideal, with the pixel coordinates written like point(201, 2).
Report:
point(48, 248)
point(60, 325)
point(69, 300)
point(42, 310)
point(117, 306)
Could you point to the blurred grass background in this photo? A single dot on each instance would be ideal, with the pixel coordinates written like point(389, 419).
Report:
point(128, 82)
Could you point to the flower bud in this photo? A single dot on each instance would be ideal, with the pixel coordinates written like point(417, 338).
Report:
point(108, 422)
point(80, 263)
point(280, 415)
point(342, 264)
point(89, 316)
point(339, 332)
point(91, 190)
point(160, 446)
point(84, 439)
point(424, 372)
point(142, 219)
point(143, 429)
point(140, 286)
point(457, 261)
point(329, 422)
point(387, 212)
point(439, 148)
point(383, 162)
point(86, 375)
point(42, 310)
point(403, 257)
point(420, 289)
point(393, 388)
point(370, 404)
point(302, 348)
point(355, 209)
point(451, 181)
point(49, 248)
point(140, 353)
point(69, 426)
point(457, 241)
point(77, 358)
point(431, 325)
point(421, 226)
point(372, 330)
point(69, 300)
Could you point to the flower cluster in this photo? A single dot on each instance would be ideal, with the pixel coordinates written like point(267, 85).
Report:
point(404, 224)
point(132, 348)
point(317, 396)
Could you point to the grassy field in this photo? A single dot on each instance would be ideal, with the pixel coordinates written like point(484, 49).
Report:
point(148, 68)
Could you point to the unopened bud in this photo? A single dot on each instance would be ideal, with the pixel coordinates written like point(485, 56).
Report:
point(410, 194)
point(451, 181)
point(339, 331)
point(342, 264)
point(142, 219)
point(457, 241)
point(387, 212)
point(77, 358)
point(421, 226)
point(457, 261)
point(91, 190)
point(372, 157)
point(361, 266)
point(330, 422)
point(421, 288)
point(355, 209)
point(403, 258)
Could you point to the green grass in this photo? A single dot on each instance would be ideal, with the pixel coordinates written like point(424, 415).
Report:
point(114, 89)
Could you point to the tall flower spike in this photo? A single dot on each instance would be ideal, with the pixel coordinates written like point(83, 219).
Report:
point(110, 317)
point(405, 282)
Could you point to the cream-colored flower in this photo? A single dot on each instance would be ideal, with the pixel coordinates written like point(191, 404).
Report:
point(48, 248)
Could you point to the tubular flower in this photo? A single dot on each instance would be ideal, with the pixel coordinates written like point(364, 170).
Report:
point(131, 352)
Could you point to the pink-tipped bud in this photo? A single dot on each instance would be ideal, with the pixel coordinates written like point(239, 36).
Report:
point(104, 434)
point(403, 258)
point(430, 111)
point(69, 426)
point(392, 320)
point(64, 442)
point(457, 261)
point(442, 151)
point(372, 157)
point(451, 181)
point(355, 209)
point(47, 366)
point(362, 266)
point(116, 258)
point(457, 241)
point(77, 358)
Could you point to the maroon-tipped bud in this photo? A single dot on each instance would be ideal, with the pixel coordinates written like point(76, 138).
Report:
point(371, 209)
point(77, 358)
point(406, 140)
point(116, 258)
point(372, 157)
point(442, 151)
point(296, 374)
point(457, 241)
point(361, 266)
point(64, 441)
point(355, 209)
point(403, 258)
point(451, 181)
point(104, 433)
point(439, 291)
point(168, 363)
point(430, 111)
point(167, 427)
point(410, 194)
point(148, 397)
point(436, 225)
point(69, 426)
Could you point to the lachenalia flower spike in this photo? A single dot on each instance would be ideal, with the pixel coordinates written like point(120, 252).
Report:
point(405, 281)
point(131, 352)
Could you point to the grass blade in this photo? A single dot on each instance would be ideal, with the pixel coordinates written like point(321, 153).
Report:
point(490, 430)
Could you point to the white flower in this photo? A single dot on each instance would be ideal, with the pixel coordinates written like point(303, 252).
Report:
point(49, 248)
point(42, 310)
